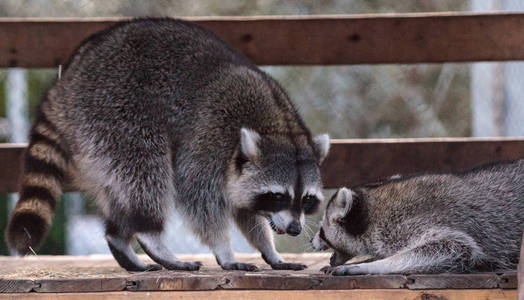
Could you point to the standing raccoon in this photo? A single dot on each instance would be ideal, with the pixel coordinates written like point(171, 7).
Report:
point(156, 112)
point(461, 222)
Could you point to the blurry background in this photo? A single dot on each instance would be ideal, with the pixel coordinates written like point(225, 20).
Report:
point(359, 101)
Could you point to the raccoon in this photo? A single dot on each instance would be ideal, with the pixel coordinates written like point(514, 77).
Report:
point(434, 223)
point(155, 114)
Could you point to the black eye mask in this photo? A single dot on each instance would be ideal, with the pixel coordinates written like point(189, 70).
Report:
point(272, 202)
point(310, 204)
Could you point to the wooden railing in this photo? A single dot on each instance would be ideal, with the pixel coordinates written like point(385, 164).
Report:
point(318, 40)
point(300, 40)
point(356, 161)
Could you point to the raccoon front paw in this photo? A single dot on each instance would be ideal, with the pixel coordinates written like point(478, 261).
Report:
point(239, 266)
point(183, 265)
point(338, 258)
point(288, 266)
point(343, 270)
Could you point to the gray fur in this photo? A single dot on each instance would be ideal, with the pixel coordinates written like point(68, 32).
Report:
point(462, 222)
point(151, 113)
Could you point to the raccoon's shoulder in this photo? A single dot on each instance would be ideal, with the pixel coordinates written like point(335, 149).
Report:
point(165, 40)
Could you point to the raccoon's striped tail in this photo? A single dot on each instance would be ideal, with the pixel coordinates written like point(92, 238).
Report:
point(41, 186)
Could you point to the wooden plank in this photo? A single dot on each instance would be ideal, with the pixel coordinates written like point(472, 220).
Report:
point(17, 285)
point(65, 285)
point(11, 162)
point(176, 281)
point(60, 274)
point(301, 40)
point(453, 281)
point(356, 161)
point(382, 294)
point(363, 282)
point(352, 162)
point(508, 280)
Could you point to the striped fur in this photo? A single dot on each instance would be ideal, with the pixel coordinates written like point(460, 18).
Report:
point(44, 173)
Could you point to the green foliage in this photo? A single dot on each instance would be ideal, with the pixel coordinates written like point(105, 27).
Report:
point(38, 81)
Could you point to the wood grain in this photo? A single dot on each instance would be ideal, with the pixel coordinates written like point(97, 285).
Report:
point(17, 285)
point(352, 162)
point(300, 40)
point(100, 273)
point(454, 281)
point(381, 294)
point(76, 285)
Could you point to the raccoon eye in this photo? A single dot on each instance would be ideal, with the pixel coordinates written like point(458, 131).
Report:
point(272, 202)
point(310, 204)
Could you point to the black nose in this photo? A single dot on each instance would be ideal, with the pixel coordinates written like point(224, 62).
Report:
point(294, 228)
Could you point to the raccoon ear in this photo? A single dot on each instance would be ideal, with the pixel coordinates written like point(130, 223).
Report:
point(321, 144)
point(249, 143)
point(343, 201)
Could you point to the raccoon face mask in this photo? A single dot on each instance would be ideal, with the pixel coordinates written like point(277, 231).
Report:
point(278, 176)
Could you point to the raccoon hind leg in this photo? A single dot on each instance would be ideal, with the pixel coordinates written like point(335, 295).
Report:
point(138, 209)
point(126, 257)
point(119, 235)
point(152, 244)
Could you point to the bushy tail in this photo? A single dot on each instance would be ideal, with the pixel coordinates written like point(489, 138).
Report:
point(41, 186)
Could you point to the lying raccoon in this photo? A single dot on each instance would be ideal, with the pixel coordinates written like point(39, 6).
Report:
point(461, 222)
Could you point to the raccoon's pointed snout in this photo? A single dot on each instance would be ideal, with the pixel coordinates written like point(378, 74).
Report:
point(294, 228)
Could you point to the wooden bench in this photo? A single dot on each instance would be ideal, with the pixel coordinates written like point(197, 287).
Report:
point(286, 40)
point(101, 275)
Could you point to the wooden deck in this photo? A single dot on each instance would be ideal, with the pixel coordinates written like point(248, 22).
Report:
point(99, 277)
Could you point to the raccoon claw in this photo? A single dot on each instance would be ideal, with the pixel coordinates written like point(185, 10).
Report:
point(239, 266)
point(288, 266)
point(324, 269)
point(184, 266)
point(343, 270)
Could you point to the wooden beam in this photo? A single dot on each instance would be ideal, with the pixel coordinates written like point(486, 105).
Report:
point(352, 162)
point(100, 273)
point(300, 40)
point(11, 158)
point(277, 295)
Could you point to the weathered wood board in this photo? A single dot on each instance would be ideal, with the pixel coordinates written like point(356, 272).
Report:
point(300, 40)
point(364, 294)
point(100, 273)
